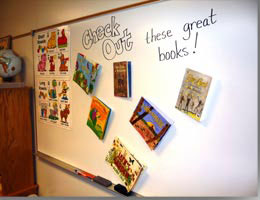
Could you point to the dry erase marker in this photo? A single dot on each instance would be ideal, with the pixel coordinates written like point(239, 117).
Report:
point(85, 174)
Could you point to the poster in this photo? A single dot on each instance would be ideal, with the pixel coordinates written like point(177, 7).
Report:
point(54, 101)
point(52, 67)
point(53, 52)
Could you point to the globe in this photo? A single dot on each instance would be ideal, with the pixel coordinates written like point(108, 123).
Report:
point(10, 64)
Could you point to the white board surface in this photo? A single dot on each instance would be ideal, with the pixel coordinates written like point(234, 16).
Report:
point(214, 157)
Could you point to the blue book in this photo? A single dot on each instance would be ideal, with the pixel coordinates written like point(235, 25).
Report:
point(86, 73)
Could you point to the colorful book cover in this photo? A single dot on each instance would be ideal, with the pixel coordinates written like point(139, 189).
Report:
point(122, 79)
point(125, 165)
point(193, 93)
point(98, 117)
point(86, 73)
point(151, 125)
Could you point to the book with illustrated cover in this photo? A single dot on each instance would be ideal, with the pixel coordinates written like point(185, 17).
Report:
point(151, 125)
point(98, 117)
point(193, 93)
point(122, 79)
point(125, 165)
point(86, 73)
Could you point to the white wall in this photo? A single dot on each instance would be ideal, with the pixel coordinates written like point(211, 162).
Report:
point(18, 17)
point(228, 156)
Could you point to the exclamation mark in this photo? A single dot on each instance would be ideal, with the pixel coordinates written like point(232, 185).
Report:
point(196, 38)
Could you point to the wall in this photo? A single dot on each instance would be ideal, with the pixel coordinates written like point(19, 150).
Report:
point(225, 155)
point(22, 17)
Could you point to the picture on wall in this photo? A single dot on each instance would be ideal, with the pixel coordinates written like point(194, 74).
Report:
point(5, 42)
point(122, 79)
point(42, 64)
point(52, 89)
point(52, 63)
point(42, 89)
point(193, 93)
point(63, 35)
point(150, 124)
point(98, 117)
point(86, 73)
point(64, 90)
point(124, 164)
point(63, 63)
point(54, 101)
point(65, 116)
point(53, 112)
point(53, 52)
point(43, 109)
point(41, 43)
point(52, 41)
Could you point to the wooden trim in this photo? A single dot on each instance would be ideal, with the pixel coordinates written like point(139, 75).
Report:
point(26, 191)
point(86, 17)
point(1, 191)
point(22, 35)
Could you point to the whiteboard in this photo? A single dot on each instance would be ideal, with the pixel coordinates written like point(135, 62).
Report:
point(214, 157)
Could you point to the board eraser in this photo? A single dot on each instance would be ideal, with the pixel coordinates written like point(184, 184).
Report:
point(122, 189)
point(102, 181)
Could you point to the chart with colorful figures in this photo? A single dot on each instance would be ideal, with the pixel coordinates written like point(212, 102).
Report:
point(54, 101)
point(53, 52)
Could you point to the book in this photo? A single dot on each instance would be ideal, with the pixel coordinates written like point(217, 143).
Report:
point(98, 117)
point(122, 79)
point(151, 125)
point(86, 73)
point(193, 93)
point(125, 165)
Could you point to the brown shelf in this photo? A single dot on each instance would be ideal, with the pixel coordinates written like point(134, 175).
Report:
point(25, 192)
point(16, 143)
